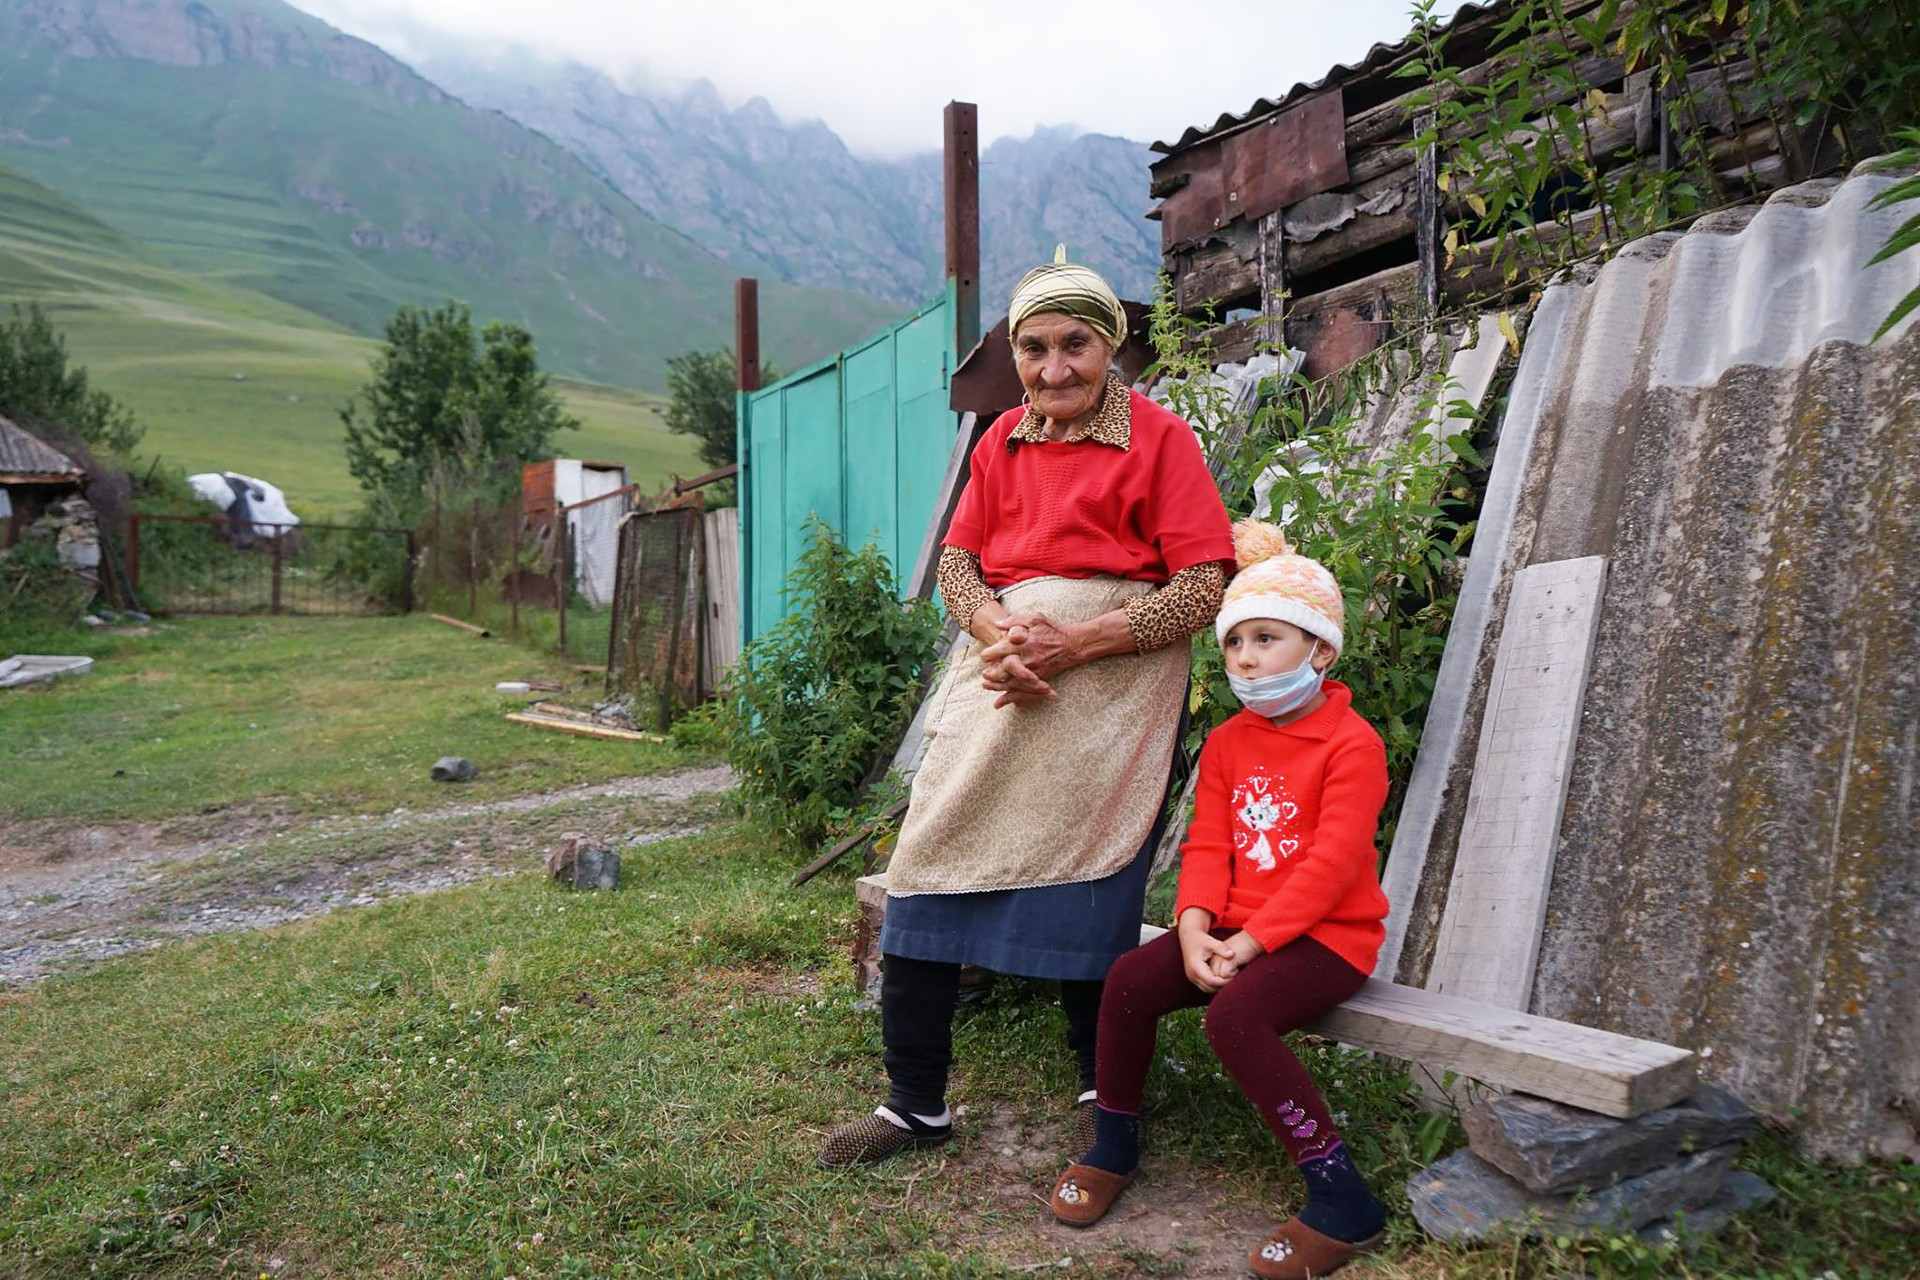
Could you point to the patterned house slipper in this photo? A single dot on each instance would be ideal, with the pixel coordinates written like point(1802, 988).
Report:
point(1296, 1252)
point(1085, 1130)
point(1084, 1194)
point(872, 1138)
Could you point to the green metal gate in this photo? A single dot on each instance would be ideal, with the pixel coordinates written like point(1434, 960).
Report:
point(861, 440)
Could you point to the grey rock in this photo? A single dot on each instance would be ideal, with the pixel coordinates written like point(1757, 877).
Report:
point(1463, 1199)
point(560, 861)
point(1549, 1147)
point(454, 769)
point(596, 869)
point(91, 622)
point(1739, 1193)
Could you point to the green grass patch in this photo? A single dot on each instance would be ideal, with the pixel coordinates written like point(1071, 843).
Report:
point(306, 714)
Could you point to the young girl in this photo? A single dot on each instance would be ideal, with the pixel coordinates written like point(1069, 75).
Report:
point(1279, 910)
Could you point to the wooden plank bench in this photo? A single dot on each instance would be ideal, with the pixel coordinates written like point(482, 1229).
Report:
point(1602, 1071)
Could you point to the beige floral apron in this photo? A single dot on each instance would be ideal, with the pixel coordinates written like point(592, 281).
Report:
point(1053, 793)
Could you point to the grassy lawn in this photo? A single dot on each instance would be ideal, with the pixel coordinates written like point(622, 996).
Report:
point(307, 715)
point(509, 1078)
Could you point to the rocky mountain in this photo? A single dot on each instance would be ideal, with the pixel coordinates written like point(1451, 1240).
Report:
point(790, 200)
point(248, 142)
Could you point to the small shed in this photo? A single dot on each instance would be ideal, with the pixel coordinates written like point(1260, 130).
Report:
point(33, 476)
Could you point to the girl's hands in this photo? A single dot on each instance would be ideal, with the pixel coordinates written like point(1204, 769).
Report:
point(1242, 950)
point(1201, 952)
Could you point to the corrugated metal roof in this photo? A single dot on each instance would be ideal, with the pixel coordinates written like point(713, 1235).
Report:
point(24, 454)
point(1738, 869)
point(1381, 55)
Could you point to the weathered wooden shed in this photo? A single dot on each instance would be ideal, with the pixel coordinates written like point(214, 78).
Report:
point(33, 475)
point(1318, 204)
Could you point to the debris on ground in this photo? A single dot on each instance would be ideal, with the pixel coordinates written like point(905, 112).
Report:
point(454, 769)
point(513, 686)
point(34, 668)
point(588, 724)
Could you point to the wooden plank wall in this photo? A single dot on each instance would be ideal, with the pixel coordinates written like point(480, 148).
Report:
point(1497, 900)
point(722, 532)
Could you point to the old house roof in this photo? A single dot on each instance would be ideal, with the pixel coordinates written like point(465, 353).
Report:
point(1377, 59)
point(1736, 870)
point(26, 459)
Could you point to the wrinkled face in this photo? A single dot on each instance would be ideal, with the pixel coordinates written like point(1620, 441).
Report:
point(1062, 363)
point(1260, 647)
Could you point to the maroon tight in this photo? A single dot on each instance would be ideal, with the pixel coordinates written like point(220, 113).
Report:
point(1273, 995)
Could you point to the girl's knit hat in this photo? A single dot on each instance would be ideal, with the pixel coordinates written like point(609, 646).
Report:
point(1273, 582)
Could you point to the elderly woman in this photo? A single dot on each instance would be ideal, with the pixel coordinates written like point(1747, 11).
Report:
point(1090, 542)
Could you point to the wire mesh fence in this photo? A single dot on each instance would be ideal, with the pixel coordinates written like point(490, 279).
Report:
point(589, 544)
point(658, 613)
point(210, 564)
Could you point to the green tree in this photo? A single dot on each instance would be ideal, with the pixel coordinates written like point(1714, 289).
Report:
point(702, 384)
point(441, 394)
point(38, 382)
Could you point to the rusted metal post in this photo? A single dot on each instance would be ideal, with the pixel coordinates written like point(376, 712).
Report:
point(514, 522)
point(963, 221)
point(560, 579)
point(277, 542)
point(473, 561)
point(133, 554)
point(746, 333)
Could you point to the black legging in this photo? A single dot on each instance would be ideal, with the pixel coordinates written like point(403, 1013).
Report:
point(917, 999)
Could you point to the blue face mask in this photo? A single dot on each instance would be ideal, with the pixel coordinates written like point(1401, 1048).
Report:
point(1284, 691)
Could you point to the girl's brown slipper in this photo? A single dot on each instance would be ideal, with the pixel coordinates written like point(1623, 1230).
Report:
point(1084, 1194)
point(1296, 1252)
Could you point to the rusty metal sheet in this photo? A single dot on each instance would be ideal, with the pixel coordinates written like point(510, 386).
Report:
point(1194, 210)
point(1285, 158)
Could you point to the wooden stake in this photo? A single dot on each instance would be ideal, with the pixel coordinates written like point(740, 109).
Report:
point(583, 730)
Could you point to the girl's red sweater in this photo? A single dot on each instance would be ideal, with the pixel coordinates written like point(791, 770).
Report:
point(1282, 838)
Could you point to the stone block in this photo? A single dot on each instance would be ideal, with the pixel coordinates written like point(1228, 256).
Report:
point(1463, 1199)
point(454, 769)
point(596, 869)
point(1549, 1147)
point(1740, 1192)
point(560, 861)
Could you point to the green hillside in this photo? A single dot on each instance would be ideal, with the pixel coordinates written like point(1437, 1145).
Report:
point(253, 146)
point(229, 378)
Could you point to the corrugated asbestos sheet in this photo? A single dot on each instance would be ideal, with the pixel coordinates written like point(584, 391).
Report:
point(1739, 867)
point(25, 455)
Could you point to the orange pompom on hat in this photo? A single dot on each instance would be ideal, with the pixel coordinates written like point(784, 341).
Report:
point(1273, 582)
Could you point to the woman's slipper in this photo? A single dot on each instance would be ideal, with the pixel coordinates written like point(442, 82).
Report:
point(1084, 1194)
point(874, 1137)
point(1085, 1130)
point(1296, 1251)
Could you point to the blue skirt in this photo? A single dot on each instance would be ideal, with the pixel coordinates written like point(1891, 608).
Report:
point(1070, 931)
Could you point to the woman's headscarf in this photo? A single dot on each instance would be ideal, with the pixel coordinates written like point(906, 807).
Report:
point(1072, 290)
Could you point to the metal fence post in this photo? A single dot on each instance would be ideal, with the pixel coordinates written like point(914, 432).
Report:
point(560, 541)
point(279, 539)
point(133, 554)
point(514, 522)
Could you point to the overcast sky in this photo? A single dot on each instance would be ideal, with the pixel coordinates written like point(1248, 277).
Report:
point(878, 71)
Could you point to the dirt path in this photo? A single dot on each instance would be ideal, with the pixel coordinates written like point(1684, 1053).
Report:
point(75, 895)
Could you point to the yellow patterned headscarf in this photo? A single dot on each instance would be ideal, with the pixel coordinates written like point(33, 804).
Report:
point(1072, 290)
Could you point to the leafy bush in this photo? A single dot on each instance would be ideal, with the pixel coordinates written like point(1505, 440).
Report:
point(819, 695)
point(1389, 520)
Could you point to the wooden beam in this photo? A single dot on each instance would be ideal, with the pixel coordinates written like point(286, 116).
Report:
point(582, 729)
point(1426, 227)
point(706, 478)
point(746, 333)
point(1602, 1071)
point(920, 582)
point(962, 122)
point(482, 632)
point(1273, 277)
point(1497, 899)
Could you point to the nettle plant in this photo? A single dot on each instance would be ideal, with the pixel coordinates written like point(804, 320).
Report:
point(818, 696)
point(1524, 154)
point(1389, 519)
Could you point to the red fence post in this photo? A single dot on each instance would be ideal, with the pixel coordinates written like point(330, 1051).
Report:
point(963, 221)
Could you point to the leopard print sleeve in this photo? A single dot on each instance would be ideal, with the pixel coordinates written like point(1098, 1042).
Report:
point(961, 585)
point(1169, 614)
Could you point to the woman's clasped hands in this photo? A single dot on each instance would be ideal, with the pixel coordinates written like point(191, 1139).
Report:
point(1031, 648)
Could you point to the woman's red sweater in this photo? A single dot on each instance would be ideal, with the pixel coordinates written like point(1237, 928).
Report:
point(1282, 838)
